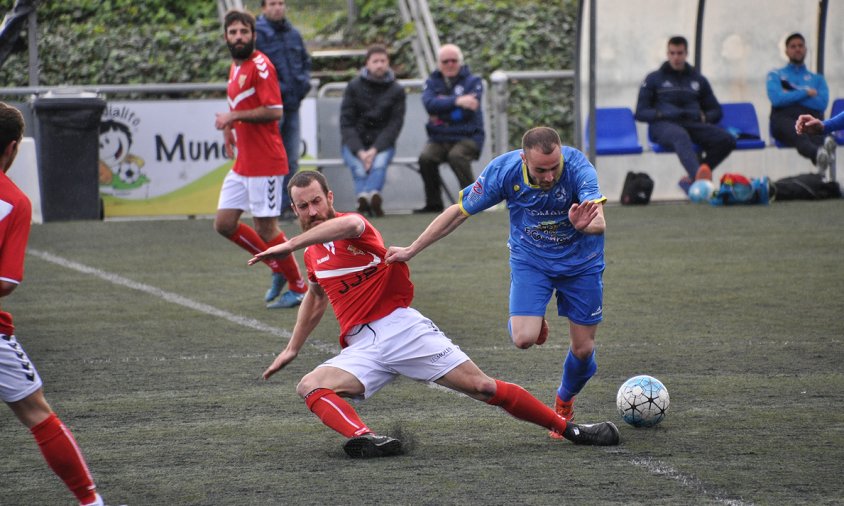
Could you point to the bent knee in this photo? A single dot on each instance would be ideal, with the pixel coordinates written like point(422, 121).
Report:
point(524, 340)
point(306, 385)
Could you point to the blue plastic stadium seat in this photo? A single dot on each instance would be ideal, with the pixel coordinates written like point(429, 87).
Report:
point(615, 132)
point(837, 108)
point(740, 119)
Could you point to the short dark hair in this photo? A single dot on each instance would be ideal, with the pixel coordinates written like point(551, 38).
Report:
point(542, 138)
point(678, 40)
point(11, 125)
point(376, 49)
point(304, 178)
point(234, 15)
point(795, 35)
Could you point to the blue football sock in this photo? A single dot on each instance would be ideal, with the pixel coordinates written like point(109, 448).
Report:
point(576, 373)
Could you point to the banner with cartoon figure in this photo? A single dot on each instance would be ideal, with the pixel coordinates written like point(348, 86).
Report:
point(166, 158)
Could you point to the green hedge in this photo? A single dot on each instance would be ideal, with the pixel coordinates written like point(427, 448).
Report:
point(171, 41)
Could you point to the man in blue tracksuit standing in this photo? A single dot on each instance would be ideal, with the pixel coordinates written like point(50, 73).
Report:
point(285, 48)
point(452, 98)
point(678, 104)
point(794, 90)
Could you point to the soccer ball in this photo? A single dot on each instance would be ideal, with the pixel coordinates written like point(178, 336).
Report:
point(701, 191)
point(642, 401)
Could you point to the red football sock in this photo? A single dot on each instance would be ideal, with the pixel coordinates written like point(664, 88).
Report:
point(335, 412)
point(64, 457)
point(246, 237)
point(289, 267)
point(521, 404)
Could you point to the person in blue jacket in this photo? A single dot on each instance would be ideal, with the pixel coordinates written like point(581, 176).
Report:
point(452, 98)
point(794, 90)
point(681, 110)
point(284, 46)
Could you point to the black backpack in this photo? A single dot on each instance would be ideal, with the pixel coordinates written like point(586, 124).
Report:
point(637, 189)
point(806, 187)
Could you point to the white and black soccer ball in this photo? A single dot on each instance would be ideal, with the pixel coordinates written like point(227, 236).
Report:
point(642, 401)
point(129, 173)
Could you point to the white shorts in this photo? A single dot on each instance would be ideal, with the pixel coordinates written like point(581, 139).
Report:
point(260, 195)
point(18, 377)
point(402, 343)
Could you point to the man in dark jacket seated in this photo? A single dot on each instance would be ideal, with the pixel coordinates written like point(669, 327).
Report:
point(371, 117)
point(455, 125)
point(678, 104)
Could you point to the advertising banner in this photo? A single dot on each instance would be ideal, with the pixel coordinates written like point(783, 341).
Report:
point(166, 158)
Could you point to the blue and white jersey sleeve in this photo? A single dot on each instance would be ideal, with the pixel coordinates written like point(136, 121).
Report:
point(491, 186)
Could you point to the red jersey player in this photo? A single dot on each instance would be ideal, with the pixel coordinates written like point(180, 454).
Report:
point(255, 182)
point(20, 384)
point(381, 336)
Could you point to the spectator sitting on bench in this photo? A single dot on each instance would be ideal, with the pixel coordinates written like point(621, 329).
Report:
point(455, 127)
point(371, 117)
point(678, 104)
point(794, 90)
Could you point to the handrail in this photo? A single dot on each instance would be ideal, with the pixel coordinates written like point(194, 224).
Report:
point(500, 97)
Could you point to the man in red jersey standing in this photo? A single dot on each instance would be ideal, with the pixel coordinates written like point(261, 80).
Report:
point(20, 384)
point(255, 182)
point(380, 335)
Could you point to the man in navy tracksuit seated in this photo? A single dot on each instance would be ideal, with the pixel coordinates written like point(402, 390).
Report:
point(681, 110)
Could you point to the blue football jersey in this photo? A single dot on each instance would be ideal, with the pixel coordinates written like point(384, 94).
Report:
point(540, 230)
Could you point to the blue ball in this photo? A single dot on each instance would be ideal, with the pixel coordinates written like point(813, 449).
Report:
point(701, 191)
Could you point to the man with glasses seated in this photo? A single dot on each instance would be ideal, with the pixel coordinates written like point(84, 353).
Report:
point(455, 127)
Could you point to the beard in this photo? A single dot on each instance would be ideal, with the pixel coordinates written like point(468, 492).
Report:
point(309, 222)
point(241, 52)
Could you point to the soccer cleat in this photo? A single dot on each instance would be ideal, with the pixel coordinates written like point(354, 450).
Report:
point(288, 299)
point(370, 445)
point(565, 410)
point(376, 201)
point(595, 434)
point(703, 172)
point(685, 183)
point(276, 287)
point(429, 209)
point(543, 333)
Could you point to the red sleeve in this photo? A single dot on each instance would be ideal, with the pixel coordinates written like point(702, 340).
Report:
point(15, 221)
point(266, 82)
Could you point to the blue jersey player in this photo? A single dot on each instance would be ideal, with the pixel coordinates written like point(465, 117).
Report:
point(556, 243)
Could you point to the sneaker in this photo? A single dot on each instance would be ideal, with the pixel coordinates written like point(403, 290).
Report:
point(829, 145)
point(543, 333)
point(429, 209)
point(376, 202)
point(685, 183)
point(703, 172)
point(276, 287)
point(565, 410)
point(371, 445)
point(823, 161)
point(288, 299)
point(363, 206)
point(595, 434)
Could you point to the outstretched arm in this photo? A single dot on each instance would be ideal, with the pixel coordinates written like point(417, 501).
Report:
point(588, 217)
point(310, 313)
point(343, 227)
point(442, 225)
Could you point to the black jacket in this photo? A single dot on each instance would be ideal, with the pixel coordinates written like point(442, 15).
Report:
point(372, 112)
point(669, 95)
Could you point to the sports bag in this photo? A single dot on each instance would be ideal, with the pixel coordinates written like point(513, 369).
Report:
point(738, 189)
point(806, 187)
point(637, 189)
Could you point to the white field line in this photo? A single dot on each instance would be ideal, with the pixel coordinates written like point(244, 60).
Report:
point(652, 466)
point(175, 298)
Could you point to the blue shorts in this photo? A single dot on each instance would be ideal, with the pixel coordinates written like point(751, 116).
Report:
point(579, 297)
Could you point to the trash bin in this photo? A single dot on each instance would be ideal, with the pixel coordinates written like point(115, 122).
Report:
point(67, 147)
